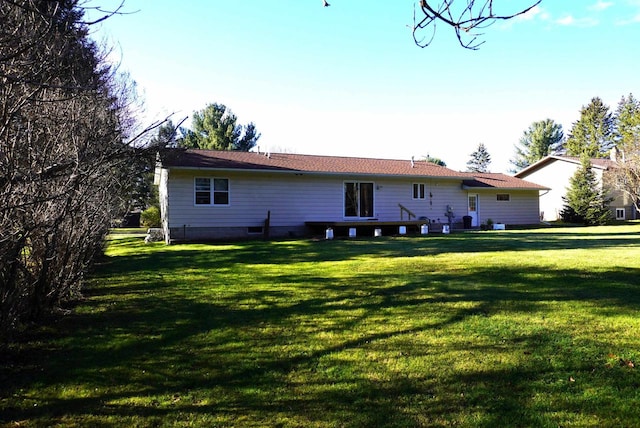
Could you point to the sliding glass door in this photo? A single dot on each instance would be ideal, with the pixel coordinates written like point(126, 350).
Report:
point(358, 199)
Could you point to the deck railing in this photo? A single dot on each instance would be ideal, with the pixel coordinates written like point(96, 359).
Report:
point(404, 209)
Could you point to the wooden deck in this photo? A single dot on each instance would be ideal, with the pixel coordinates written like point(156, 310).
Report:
point(369, 227)
point(365, 223)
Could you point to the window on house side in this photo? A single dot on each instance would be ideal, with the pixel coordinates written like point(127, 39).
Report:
point(620, 214)
point(211, 191)
point(503, 197)
point(418, 191)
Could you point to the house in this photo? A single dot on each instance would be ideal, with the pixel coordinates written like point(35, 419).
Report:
point(208, 195)
point(555, 172)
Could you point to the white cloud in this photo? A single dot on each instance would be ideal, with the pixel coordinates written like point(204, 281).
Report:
point(569, 20)
point(630, 21)
point(536, 12)
point(601, 5)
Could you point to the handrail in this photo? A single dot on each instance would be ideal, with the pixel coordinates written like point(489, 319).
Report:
point(409, 212)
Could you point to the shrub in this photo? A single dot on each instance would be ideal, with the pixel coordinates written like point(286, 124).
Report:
point(150, 217)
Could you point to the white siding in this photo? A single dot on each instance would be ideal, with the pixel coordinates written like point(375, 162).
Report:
point(555, 176)
point(438, 194)
point(294, 199)
point(521, 208)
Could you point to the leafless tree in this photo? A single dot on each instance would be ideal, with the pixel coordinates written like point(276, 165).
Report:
point(69, 148)
point(465, 17)
point(626, 177)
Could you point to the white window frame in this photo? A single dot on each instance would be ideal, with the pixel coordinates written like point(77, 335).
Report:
point(623, 216)
point(212, 192)
point(508, 195)
point(419, 191)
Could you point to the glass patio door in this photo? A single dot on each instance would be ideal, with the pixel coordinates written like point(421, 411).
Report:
point(358, 199)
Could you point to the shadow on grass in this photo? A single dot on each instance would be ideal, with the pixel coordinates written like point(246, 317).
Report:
point(284, 252)
point(358, 354)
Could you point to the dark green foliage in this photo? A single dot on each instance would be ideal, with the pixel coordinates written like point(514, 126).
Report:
point(627, 124)
point(480, 160)
point(166, 135)
point(150, 217)
point(216, 128)
point(543, 138)
point(585, 201)
point(434, 160)
point(593, 133)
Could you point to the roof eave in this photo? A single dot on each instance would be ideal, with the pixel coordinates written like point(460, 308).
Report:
point(478, 188)
point(299, 171)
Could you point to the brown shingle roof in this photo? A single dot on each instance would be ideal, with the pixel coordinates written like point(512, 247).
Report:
point(489, 180)
point(288, 162)
point(193, 158)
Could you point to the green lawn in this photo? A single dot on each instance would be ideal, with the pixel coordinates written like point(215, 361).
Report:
point(487, 329)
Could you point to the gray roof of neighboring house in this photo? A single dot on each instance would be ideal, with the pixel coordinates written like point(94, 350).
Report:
point(600, 163)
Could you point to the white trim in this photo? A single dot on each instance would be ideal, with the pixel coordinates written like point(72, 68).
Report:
point(424, 191)
point(212, 192)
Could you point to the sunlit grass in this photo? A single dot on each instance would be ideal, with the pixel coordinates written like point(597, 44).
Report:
point(515, 328)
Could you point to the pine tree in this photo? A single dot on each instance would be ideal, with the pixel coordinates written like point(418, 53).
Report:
point(435, 160)
point(585, 202)
point(541, 139)
point(593, 132)
point(480, 160)
point(215, 127)
point(627, 124)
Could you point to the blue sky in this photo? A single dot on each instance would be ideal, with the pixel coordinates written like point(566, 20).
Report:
point(348, 79)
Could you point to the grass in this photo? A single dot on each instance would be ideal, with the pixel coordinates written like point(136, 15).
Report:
point(515, 328)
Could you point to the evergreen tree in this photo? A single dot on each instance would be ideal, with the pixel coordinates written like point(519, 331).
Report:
point(435, 160)
point(480, 160)
point(541, 139)
point(627, 124)
point(216, 128)
point(593, 132)
point(166, 136)
point(585, 201)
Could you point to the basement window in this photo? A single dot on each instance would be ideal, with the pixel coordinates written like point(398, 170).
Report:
point(252, 230)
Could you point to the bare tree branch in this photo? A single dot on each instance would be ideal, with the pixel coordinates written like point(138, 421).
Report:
point(472, 15)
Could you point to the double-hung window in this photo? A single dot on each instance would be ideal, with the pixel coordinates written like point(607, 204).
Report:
point(211, 191)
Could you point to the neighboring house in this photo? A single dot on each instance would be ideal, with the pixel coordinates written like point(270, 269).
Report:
point(555, 172)
point(226, 194)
